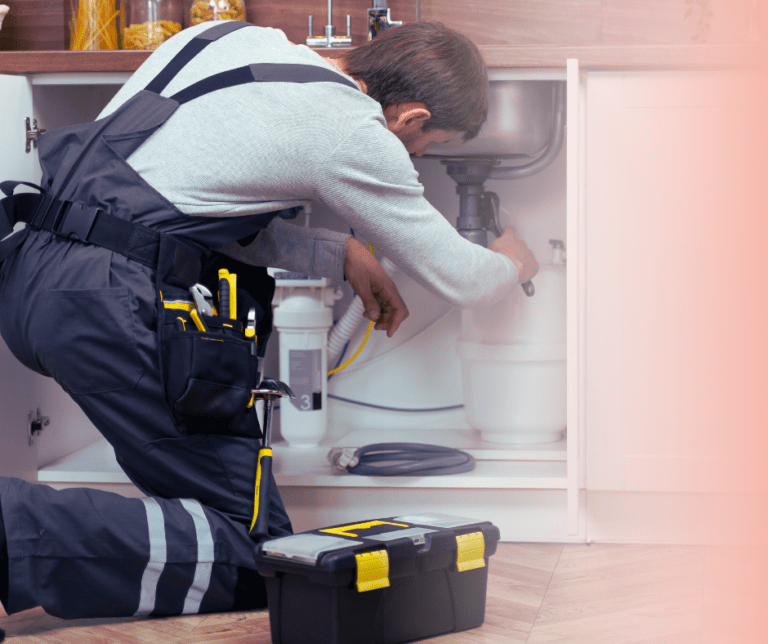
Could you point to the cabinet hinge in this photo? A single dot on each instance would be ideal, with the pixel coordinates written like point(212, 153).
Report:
point(33, 133)
point(35, 425)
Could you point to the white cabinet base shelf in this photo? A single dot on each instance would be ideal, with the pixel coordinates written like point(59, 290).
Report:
point(532, 467)
point(523, 490)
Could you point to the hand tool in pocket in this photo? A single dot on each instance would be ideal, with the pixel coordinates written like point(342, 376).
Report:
point(227, 294)
point(232, 279)
point(224, 292)
point(196, 319)
point(201, 296)
point(250, 329)
point(269, 390)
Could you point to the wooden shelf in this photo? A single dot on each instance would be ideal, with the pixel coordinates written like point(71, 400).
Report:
point(527, 56)
point(39, 62)
point(44, 62)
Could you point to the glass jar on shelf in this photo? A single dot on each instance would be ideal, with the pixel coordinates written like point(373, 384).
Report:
point(94, 25)
point(149, 23)
point(204, 10)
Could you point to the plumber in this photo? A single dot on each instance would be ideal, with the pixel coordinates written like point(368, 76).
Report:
point(222, 133)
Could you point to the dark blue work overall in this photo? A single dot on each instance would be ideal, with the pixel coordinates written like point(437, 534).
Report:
point(84, 293)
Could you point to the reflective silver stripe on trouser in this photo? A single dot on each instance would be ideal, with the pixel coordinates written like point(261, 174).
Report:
point(204, 565)
point(157, 557)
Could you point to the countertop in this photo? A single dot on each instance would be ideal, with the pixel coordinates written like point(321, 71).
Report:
point(749, 56)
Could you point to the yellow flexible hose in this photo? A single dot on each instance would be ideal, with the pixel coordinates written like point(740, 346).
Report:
point(362, 344)
point(357, 353)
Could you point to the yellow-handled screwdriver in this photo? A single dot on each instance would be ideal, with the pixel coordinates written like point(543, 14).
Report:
point(232, 296)
point(196, 319)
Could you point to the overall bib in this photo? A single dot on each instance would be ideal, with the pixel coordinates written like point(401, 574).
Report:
point(94, 293)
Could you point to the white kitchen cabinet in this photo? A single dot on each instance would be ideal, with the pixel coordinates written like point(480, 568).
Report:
point(50, 100)
point(18, 455)
point(652, 179)
point(526, 491)
point(672, 289)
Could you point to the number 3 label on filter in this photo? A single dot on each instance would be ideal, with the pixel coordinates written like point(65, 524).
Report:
point(306, 378)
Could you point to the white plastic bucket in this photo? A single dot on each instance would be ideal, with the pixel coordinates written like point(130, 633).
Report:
point(514, 394)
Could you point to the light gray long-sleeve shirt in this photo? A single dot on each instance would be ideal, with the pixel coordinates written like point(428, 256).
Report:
point(262, 147)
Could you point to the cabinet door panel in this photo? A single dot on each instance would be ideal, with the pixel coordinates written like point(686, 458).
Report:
point(671, 288)
point(602, 389)
point(23, 390)
point(19, 384)
point(16, 106)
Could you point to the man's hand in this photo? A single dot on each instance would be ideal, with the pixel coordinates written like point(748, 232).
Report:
point(376, 289)
point(518, 252)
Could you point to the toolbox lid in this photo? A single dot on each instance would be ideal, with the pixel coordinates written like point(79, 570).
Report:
point(436, 520)
point(417, 535)
point(306, 547)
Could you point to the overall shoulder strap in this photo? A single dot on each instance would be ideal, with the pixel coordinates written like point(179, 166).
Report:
point(258, 73)
point(190, 50)
point(261, 73)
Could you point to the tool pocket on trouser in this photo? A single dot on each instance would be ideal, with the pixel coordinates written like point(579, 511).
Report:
point(85, 339)
point(209, 376)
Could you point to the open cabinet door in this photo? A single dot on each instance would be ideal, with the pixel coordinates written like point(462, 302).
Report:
point(16, 106)
point(20, 386)
point(23, 390)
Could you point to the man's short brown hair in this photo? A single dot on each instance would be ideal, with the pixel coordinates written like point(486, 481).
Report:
point(430, 63)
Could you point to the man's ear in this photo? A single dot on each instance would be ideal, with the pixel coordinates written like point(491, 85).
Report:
point(402, 117)
point(414, 116)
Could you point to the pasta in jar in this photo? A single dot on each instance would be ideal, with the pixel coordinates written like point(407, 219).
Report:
point(94, 25)
point(203, 10)
point(149, 35)
point(149, 23)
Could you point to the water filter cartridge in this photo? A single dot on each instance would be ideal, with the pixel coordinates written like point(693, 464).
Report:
point(303, 419)
point(303, 315)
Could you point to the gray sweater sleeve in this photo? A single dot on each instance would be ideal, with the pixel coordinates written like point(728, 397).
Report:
point(311, 251)
point(372, 184)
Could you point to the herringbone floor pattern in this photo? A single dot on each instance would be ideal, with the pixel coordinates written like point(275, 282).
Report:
point(537, 594)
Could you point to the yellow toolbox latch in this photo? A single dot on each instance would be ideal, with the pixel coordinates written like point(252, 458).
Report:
point(470, 551)
point(372, 570)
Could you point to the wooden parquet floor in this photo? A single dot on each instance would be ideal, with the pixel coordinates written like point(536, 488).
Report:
point(537, 594)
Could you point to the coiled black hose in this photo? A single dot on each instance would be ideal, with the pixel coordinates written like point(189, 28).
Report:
point(410, 459)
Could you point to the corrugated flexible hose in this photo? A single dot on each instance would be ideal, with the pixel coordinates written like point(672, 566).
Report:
point(401, 459)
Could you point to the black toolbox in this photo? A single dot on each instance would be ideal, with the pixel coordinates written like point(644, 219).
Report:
point(381, 581)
